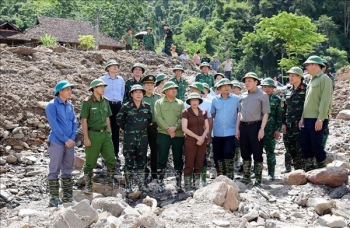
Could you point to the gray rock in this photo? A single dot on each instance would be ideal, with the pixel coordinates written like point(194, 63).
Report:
point(27, 212)
point(114, 205)
point(130, 211)
point(2, 161)
point(34, 173)
point(339, 192)
point(79, 195)
point(3, 194)
point(251, 215)
point(344, 115)
point(22, 50)
point(301, 199)
point(332, 221)
point(20, 224)
point(80, 215)
point(11, 159)
point(276, 224)
point(150, 220)
point(321, 206)
point(221, 223)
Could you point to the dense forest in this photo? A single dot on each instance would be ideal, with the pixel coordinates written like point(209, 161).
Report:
point(265, 36)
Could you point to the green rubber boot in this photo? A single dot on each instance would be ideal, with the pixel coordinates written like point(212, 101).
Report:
point(258, 173)
point(321, 164)
point(203, 176)
point(88, 183)
point(67, 187)
point(271, 171)
point(128, 187)
point(54, 193)
point(247, 167)
point(237, 158)
point(160, 180)
point(230, 168)
point(142, 183)
point(110, 176)
point(222, 167)
point(187, 182)
point(309, 164)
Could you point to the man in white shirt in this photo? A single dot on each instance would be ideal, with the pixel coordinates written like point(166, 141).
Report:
point(227, 65)
point(184, 55)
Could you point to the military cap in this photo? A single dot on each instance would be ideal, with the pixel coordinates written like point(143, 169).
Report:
point(137, 87)
point(160, 78)
point(206, 85)
point(97, 82)
point(129, 28)
point(110, 63)
point(165, 25)
point(149, 79)
point(204, 64)
point(194, 96)
point(199, 86)
point(296, 70)
point(62, 85)
point(148, 28)
point(169, 85)
point(314, 59)
point(268, 82)
point(138, 65)
point(219, 74)
point(178, 67)
point(222, 82)
point(236, 83)
point(251, 75)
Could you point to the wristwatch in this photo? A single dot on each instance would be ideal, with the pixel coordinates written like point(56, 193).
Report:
point(320, 120)
point(261, 128)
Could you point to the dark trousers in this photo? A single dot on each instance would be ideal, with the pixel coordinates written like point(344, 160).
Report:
point(249, 143)
point(223, 147)
point(194, 156)
point(115, 127)
point(152, 142)
point(228, 75)
point(164, 142)
point(311, 140)
point(128, 47)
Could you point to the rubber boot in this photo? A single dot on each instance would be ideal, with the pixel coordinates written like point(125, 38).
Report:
point(287, 163)
point(110, 176)
point(142, 183)
point(247, 167)
point(197, 180)
point(321, 164)
point(258, 167)
point(88, 183)
point(187, 181)
point(54, 193)
point(160, 180)
point(128, 188)
point(222, 167)
point(178, 177)
point(230, 169)
point(204, 176)
point(309, 164)
point(271, 172)
point(67, 187)
point(253, 172)
point(237, 158)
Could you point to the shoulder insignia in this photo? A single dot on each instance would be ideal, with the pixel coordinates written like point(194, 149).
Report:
point(132, 105)
point(87, 98)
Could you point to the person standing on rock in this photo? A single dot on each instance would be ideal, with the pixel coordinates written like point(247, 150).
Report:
point(127, 39)
point(252, 118)
point(197, 58)
point(205, 58)
point(63, 124)
point(224, 110)
point(151, 98)
point(134, 118)
point(317, 108)
point(168, 112)
point(236, 90)
point(114, 93)
point(292, 111)
point(138, 70)
point(196, 127)
point(273, 126)
point(96, 126)
point(184, 55)
point(227, 67)
point(148, 40)
point(161, 79)
point(180, 82)
point(168, 35)
point(215, 63)
point(205, 76)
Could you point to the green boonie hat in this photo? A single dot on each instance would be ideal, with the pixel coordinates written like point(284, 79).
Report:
point(204, 64)
point(236, 83)
point(148, 28)
point(268, 82)
point(222, 82)
point(169, 85)
point(110, 63)
point(138, 65)
point(160, 78)
point(314, 59)
point(198, 85)
point(296, 70)
point(251, 75)
point(137, 87)
point(62, 85)
point(206, 85)
point(178, 67)
point(325, 62)
point(149, 79)
point(194, 96)
point(218, 74)
point(97, 82)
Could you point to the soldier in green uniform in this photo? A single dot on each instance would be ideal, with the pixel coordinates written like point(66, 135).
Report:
point(148, 40)
point(138, 70)
point(168, 35)
point(205, 76)
point(134, 118)
point(168, 112)
point(180, 82)
point(292, 111)
point(151, 98)
point(273, 126)
point(95, 113)
point(127, 39)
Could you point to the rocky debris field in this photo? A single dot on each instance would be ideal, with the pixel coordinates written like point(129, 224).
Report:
point(318, 198)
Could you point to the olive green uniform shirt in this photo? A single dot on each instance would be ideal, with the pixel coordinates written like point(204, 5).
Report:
point(169, 114)
point(128, 39)
point(318, 100)
point(152, 101)
point(209, 79)
point(182, 84)
point(96, 112)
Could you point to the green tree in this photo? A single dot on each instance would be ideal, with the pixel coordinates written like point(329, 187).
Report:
point(337, 58)
point(86, 41)
point(48, 40)
point(192, 28)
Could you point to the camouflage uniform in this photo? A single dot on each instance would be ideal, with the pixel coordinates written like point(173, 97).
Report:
point(182, 84)
point(274, 123)
point(292, 112)
point(135, 121)
point(168, 41)
point(128, 84)
point(148, 42)
point(209, 79)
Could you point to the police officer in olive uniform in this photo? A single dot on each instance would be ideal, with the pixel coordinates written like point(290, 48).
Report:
point(134, 118)
point(180, 82)
point(95, 113)
point(273, 126)
point(138, 70)
point(151, 98)
point(205, 77)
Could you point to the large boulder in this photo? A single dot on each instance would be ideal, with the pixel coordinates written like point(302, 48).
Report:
point(321, 206)
point(297, 177)
point(330, 176)
point(332, 221)
point(114, 205)
point(344, 115)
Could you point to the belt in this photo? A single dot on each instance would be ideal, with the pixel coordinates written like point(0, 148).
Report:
point(251, 122)
point(114, 102)
point(97, 130)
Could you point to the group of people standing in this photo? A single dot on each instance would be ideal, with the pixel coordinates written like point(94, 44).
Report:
point(154, 111)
